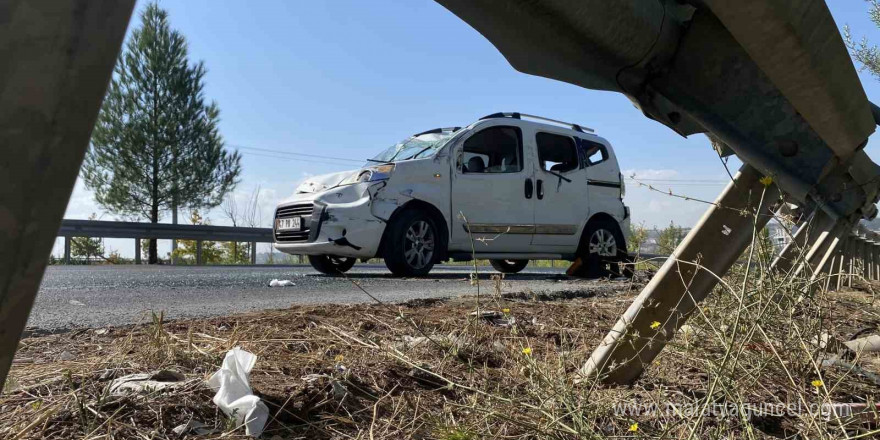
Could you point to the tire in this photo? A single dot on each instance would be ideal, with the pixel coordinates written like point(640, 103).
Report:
point(330, 264)
point(602, 249)
point(509, 266)
point(411, 247)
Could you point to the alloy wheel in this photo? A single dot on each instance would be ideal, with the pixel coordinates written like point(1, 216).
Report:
point(419, 246)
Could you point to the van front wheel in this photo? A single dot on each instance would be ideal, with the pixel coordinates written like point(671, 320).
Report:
point(411, 249)
point(330, 264)
point(509, 266)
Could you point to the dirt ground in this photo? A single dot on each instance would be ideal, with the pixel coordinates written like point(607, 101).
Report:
point(449, 369)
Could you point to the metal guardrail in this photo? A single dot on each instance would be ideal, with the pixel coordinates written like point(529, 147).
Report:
point(161, 231)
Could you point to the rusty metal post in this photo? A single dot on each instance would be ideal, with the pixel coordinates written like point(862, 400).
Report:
point(685, 279)
point(137, 251)
point(57, 59)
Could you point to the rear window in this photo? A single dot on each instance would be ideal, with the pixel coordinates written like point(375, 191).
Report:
point(557, 153)
point(593, 152)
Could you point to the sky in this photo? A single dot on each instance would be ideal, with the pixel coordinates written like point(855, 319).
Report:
point(348, 78)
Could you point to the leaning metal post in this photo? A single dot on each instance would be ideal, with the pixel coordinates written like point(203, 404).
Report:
point(825, 239)
point(57, 59)
point(685, 279)
point(793, 251)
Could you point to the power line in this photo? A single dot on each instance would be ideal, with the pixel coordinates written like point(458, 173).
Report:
point(294, 159)
point(266, 150)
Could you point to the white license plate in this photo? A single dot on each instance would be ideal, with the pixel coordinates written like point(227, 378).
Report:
point(287, 224)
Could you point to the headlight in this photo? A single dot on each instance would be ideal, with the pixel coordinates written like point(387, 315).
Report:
point(374, 173)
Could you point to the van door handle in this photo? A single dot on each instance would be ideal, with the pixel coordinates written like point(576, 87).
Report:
point(540, 189)
point(529, 188)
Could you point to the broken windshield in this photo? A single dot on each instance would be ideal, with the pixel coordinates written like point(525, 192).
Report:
point(416, 147)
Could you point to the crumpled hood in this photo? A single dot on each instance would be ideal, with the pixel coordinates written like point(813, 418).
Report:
point(323, 182)
point(318, 184)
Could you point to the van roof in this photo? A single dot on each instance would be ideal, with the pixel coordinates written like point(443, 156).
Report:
point(517, 115)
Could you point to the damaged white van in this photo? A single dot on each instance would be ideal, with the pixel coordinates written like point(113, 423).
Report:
point(508, 188)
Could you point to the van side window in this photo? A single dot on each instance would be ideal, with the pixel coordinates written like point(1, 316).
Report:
point(593, 152)
point(557, 153)
point(493, 150)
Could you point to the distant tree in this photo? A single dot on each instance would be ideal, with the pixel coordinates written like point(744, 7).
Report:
point(87, 247)
point(187, 250)
point(862, 51)
point(247, 215)
point(156, 146)
point(669, 238)
point(637, 237)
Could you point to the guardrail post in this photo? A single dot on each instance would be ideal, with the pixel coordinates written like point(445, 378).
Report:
point(851, 260)
point(710, 248)
point(137, 251)
point(839, 267)
point(58, 58)
point(253, 252)
point(794, 248)
point(66, 250)
point(199, 252)
point(875, 250)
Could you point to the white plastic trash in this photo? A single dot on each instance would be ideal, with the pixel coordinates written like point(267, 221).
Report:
point(281, 283)
point(234, 395)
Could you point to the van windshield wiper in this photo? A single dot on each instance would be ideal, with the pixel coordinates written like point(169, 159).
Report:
point(379, 161)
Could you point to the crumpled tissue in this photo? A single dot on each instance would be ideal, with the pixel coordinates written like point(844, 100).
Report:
point(280, 283)
point(234, 395)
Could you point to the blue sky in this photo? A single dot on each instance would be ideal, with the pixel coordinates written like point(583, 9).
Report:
point(348, 78)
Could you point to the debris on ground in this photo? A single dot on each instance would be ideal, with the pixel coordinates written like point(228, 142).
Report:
point(234, 395)
point(281, 283)
point(146, 383)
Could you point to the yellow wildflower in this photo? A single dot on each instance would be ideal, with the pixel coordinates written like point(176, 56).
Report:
point(527, 351)
point(766, 181)
point(654, 325)
point(817, 383)
point(634, 427)
point(339, 358)
point(505, 310)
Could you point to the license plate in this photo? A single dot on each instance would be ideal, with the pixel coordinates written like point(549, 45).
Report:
point(286, 224)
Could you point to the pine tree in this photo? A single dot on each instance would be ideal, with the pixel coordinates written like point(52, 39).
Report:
point(156, 145)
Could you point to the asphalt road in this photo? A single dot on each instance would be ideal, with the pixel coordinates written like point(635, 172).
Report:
point(96, 296)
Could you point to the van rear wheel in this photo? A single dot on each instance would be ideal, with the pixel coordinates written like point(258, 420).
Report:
point(509, 266)
point(331, 264)
point(602, 249)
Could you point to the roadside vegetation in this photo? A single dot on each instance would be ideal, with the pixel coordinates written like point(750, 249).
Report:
point(498, 365)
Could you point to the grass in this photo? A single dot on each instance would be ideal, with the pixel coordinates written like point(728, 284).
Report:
point(432, 369)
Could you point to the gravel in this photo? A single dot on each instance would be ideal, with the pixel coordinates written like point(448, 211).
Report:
point(96, 296)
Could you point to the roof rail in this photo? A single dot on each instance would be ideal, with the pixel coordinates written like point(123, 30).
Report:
point(516, 115)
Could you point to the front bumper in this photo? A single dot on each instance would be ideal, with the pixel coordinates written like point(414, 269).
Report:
point(342, 229)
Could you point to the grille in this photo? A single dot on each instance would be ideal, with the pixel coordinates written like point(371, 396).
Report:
point(302, 210)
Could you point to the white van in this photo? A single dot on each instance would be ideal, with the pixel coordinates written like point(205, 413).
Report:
point(509, 188)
